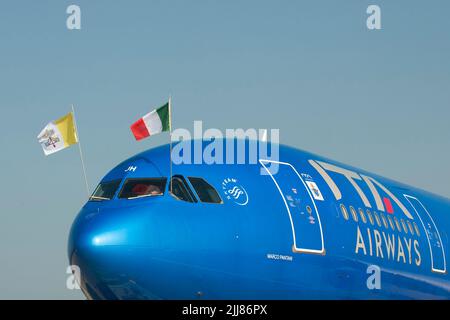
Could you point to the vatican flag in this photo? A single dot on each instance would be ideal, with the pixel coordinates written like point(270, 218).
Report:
point(58, 135)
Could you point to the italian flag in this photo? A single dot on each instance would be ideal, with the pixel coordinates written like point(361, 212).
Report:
point(152, 123)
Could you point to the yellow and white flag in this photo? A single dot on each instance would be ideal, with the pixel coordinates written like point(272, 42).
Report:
point(58, 135)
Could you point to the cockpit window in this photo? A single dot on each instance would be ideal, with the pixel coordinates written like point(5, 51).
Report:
point(205, 191)
point(140, 188)
point(105, 190)
point(181, 190)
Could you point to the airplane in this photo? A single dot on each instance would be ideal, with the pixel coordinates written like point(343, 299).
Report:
point(297, 228)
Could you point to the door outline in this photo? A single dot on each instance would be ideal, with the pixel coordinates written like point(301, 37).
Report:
point(294, 247)
point(426, 234)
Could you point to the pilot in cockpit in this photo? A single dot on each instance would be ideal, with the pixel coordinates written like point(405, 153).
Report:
point(146, 189)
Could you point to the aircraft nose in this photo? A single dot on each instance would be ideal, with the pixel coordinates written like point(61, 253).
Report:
point(94, 229)
point(112, 247)
point(90, 249)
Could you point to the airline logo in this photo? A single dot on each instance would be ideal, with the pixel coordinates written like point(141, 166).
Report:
point(235, 192)
point(371, 240)
point(388, 205)
point(384, 198)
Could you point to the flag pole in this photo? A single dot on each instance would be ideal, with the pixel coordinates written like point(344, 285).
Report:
point(170, 135)
point(81, 152)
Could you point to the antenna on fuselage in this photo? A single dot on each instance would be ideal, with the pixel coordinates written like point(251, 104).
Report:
point(264, 136)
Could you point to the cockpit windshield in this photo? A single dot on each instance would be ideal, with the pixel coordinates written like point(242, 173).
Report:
point(105, 191)
point(143, 187)
point(205, 191)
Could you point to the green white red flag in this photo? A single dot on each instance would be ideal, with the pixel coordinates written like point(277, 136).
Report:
point(152, 123)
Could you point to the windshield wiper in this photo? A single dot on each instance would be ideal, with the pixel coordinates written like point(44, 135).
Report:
point(98, 198)
point(144, 196)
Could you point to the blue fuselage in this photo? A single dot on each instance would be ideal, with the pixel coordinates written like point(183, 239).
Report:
point(314, 229)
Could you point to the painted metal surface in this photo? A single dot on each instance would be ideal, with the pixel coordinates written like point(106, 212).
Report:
point(281, 236)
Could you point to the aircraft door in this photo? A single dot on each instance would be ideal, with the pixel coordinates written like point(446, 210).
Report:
point(301, 208)
point(438, 263)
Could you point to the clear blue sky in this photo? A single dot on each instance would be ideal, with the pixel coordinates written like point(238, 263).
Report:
point(379, 100)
